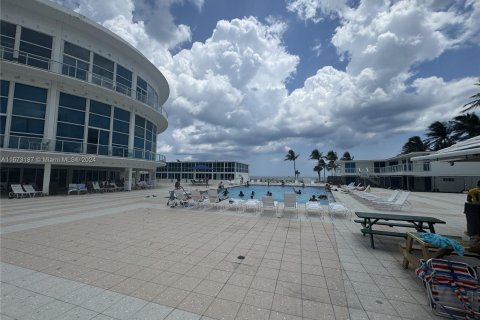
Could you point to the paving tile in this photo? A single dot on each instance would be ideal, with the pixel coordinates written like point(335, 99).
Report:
point(125, 308)
point(209, 287)
point(249, 312)
point(78, 313)
point(289, 289)
point(318, 310)
point(378, 305)
point(410, 310)
point(196, 303)
point(263, 284)
point(152, 311)
point(148, 291)
point(233, 293)
point(49, 311)
point(223, 309)
point(182, 315)
point(81, 294)
point(315, 293)
point(242, 280)
point(102, 301)
point(275, 315)
point(186, 283)
point(259, 298)
point(171, 297)
point(288, 305)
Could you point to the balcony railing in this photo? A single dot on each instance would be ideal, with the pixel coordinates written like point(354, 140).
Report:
point(66, 146)
point(56, 67)
point(400, 168)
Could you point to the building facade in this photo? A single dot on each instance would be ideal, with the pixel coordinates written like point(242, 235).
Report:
point(211, 170)
point(78, 103)
point(400, 172)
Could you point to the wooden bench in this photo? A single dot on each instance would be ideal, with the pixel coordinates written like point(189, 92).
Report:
point(390, 224)
point(384, 233)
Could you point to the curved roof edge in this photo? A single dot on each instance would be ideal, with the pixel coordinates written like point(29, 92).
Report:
point(468, 150)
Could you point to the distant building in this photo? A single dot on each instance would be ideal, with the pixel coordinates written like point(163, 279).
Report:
point(213, 170)
point(401, 172)
point(78, 103)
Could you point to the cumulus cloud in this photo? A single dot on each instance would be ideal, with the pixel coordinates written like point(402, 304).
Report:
point(228, 94)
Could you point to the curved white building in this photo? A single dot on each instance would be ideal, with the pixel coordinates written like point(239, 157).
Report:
point(78, 103)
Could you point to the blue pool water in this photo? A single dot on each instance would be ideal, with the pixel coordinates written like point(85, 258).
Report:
point(277, 192)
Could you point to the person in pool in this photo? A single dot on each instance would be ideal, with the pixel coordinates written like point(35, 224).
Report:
point(313, 198)
point(241, 195)
point(269, 194)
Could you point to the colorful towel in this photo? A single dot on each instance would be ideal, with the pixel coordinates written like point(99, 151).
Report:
point(442, 242)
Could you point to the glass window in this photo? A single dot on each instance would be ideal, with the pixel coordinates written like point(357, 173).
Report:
point(139, 121)
point(35, 48)
point(99, 121)
point(139, 132)
point(7, 39)
point(120, 139)
point(28, 109)
point(4, 96)
point(100, 108)
point(122, 114)
point(124, 80)
point(27, 125)
point(69, 130)
point(121, 126)
point(3, 120)
point(26, 92)
point(76, 51)
point(102, 71)
point(139, 143)
point(73, 102)
point(72, 116)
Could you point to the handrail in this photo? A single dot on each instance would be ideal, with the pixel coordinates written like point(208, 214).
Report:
point(404, 167)
point(67, 146)
point(56, 67)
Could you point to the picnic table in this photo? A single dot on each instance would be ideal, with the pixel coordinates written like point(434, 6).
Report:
point(370, 219)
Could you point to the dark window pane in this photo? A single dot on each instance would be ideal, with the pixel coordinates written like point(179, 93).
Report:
point(139, 121)
point(141, 83)
point(28, 108)
point(104, 136)
point(92, 136)
point(67, 115)
point(121, 139)
point(148, 145)
point(3, 120)
point(31, 93)
point(138, 143)
point(100, 108)
point(99, 121)
point(122, 114)
point(149, 126)
point(76, 51)
point(69, 130)
point(71, 101)
point(4, 88)
point(3, 105)
point(36, 37)
point(20, 124)
point(120, 126)
point(139, 132)
point(124, 73)
point(43, 54)
point(7, 29)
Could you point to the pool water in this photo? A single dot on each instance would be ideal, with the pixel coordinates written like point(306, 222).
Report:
point(277, 192)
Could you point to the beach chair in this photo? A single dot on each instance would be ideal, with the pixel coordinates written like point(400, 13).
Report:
point(214, 199)
point(453, 289)
point(117, 188)
point(18, 192)
point(290, 201)
point(252, 204)
point(72, 187)
point(269, 204)
point(82, 188)
point(313, 207)
point(337, 207)
point(32, 192)
point(397, 204)
point(97, 188)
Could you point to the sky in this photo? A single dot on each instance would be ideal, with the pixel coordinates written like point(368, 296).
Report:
point(250, 80)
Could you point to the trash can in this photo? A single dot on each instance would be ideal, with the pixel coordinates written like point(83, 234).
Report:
point(472, 213)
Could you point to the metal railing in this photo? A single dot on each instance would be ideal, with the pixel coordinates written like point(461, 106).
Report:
point(399, 168)
point(67, 146)
point(56, 67)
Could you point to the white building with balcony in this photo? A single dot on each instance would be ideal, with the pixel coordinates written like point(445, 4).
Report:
point(405, 172)
point(78, 103)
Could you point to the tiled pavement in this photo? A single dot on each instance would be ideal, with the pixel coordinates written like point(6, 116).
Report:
point(128, 256)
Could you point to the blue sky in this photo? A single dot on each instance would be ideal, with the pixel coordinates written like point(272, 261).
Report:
point(251, 79)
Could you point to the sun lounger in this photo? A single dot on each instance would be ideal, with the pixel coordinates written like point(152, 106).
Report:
point(337, 207)
point(214, 199)
point(18, 192)
point(252, 204)
point(32, 192)
point(290, 201)
point(313, 207)
point(269, 204)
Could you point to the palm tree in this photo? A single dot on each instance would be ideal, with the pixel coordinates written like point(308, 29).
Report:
point(439, 135)
point(323, 165)
point(414, 144)
point(317, 155)
point(332, 165)
point(346, 156)
point(475, 103)
point(465, 126)
point(291, 156)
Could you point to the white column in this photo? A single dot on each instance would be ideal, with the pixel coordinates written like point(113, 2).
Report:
point(47, 170)
point(128, 179)
point(131, 131)
point(51, 115)
point(11, 90)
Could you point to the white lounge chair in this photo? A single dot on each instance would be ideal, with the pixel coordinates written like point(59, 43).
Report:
point(252, 204)
point(290, 201)
point(337, 207)
point(269, 204)
point(97, 188)
point(197, 198)
point(29, 189)
point(397, 204)
point(235, 204)
point(72, 187)
point(18, 192)
point(313, 207)
point(82, 188)
point(214, 199)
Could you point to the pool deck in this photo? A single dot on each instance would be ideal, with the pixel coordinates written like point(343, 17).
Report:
point(126, 255)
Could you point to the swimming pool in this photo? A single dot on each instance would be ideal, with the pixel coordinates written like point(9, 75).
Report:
point(277, 192)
